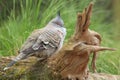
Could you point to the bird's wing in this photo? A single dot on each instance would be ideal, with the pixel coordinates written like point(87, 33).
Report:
point(27, 46)
point(48, 37)
point(39, 39)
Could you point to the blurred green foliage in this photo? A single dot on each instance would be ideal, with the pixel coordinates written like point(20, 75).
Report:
point(18, 18)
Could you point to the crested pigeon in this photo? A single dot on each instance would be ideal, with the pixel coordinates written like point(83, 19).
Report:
point(43, 42)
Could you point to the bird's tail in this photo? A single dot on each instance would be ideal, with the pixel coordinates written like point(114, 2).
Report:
point(10, 64)
point(16, 59)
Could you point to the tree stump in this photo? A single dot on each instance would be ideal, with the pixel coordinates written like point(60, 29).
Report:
point(72, 61)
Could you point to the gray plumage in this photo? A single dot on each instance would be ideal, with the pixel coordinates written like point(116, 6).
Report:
point(43, 42)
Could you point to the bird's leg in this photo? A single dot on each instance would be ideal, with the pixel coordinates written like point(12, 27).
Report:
point(94, 62)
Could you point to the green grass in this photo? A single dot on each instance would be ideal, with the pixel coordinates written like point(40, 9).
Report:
point(36, 14)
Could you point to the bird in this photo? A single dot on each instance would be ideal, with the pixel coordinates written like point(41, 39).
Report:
point(43, 42)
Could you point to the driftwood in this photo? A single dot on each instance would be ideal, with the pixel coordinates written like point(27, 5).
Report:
point(84, 34)
point(31, 69)
point(70, 63)
point(73, 64)
point(72, 60)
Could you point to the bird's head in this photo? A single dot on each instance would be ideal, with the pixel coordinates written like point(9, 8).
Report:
point(57, 20)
